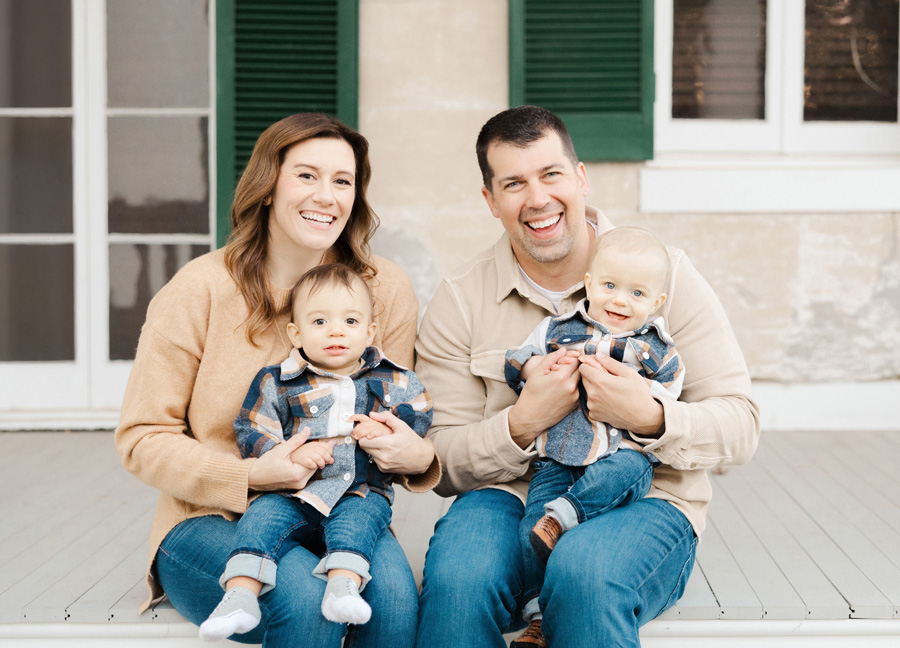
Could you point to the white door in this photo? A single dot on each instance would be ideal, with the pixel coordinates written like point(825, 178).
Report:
point(105, 191)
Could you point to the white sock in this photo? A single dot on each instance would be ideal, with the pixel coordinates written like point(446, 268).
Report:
point(237, 612)
point(342, 602)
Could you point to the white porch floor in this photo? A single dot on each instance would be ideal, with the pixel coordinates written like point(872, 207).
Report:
point(802, 547)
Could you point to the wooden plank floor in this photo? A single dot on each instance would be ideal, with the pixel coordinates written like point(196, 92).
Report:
point(810, 529)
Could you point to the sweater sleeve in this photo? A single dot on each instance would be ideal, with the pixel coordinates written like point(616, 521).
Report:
point(474, 451)
point(716, 421)
point(396, 313)
point(153, 438)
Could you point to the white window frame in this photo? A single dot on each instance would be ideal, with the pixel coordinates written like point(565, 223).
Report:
point(771, 165)
point(25, 385)
point(109, 377)
point(92, 384)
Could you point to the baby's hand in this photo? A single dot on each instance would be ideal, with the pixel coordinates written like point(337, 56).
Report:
point(368, 428)
point(314, 455)
point(569, 357)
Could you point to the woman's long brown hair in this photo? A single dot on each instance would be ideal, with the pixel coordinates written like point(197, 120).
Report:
point(245, 252)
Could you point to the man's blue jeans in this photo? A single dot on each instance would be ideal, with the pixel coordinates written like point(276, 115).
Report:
point(606, 577)
point(588, 491)
point(275, 523)
point(193, 556)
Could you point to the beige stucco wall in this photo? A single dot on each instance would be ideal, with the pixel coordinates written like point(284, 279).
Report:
point(812, 297)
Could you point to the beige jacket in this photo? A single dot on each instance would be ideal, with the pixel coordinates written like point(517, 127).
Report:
point(192, 371)
point(485, 307)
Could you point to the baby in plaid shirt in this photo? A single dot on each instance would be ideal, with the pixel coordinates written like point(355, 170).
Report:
point(584, 467)
point(325, 388)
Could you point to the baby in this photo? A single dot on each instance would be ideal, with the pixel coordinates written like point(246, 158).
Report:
point(330, 381)
point(585, 468)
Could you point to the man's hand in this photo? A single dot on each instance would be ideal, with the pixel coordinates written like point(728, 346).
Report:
point(549, 394)
point(620, 396)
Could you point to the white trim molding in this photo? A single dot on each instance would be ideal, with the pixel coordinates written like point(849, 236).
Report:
point(863, 406)
point(719, 184)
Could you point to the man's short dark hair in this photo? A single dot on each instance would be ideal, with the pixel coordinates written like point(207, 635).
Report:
point(520, 126)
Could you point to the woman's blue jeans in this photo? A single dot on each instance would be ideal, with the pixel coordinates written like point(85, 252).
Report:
point(606, 577)
point(193, 556)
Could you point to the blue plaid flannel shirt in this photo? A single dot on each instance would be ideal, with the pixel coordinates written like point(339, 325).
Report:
point(576, 440)
point(285, 398)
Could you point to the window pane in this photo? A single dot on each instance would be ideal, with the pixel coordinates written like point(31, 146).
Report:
point(37, 303)
point(35, 175)
point(851, 61)
point(136, 273)
point(35, 54)
point(158, 175)
point(719, 59)
point(158, 53)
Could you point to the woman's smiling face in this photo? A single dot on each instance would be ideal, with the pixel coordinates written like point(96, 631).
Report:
point(313, 196)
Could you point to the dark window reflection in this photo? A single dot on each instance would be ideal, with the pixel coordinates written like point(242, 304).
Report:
point(37, 303)
point(36, 53)
point(719, 59)
point(158, 53)
point(136, 273)
point(35, 175)
point(158, 175)
point(851, 60)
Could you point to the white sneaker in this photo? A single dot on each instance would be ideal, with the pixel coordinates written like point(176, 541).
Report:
point(342, 602)
point(237, 612)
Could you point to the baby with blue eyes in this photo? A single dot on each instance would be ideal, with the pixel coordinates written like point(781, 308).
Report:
point(585, 468)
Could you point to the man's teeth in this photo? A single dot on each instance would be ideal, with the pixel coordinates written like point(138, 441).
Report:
point(319, 218)
point(547, 222)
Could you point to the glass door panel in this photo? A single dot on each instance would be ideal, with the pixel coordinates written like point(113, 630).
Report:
point(35, 54)
point(138, 271)
point(36, 175)
point(42, 283)
point(37, 303)
point(157, 200)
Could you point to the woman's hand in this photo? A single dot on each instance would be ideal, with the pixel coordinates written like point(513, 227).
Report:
point(402, 451)
point(620, 396)
point(277, 470)
point(368, 428)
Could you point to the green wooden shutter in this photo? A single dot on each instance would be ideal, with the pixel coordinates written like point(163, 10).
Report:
point(274, 59)
point(591, 63)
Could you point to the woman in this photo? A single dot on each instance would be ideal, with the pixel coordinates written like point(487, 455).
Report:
point(299, 203)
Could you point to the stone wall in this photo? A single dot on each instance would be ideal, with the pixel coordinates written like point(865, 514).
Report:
point(812, 297)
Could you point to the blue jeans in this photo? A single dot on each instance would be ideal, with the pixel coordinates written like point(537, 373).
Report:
point(606, 577)
point(194, 553)
point(275, 523)
point(585, 492)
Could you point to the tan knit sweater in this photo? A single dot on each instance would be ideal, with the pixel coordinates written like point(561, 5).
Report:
point(193, 367)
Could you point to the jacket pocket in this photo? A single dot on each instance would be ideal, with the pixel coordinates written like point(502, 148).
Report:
point(490, 365)
point(311, 404)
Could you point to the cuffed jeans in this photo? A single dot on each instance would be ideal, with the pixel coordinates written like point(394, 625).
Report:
point(275, 523)
point(577, 494)
point(606, 577)
point(193, 556)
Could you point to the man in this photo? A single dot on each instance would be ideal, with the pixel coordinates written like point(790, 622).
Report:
point(611, 574)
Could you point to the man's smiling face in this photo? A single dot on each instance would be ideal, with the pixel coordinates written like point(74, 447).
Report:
point(538, 194)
